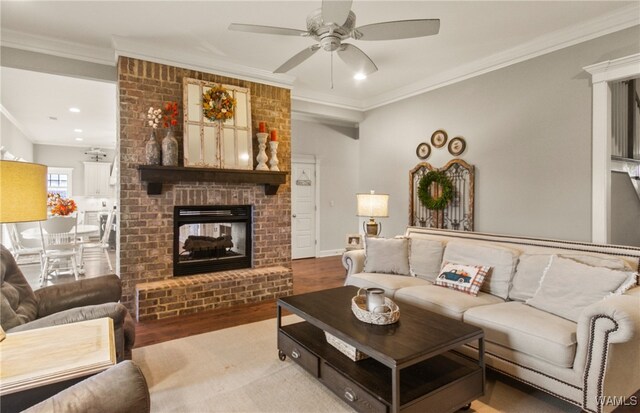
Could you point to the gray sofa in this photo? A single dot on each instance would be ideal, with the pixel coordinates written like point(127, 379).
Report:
point(588, 353)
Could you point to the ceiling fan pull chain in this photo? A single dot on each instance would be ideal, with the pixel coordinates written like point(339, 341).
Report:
point(331, 83)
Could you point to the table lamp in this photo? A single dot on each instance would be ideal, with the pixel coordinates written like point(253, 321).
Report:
point(372, 205)
point(23, 192)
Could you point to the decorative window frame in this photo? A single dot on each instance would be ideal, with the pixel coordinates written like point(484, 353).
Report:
point(216, 144)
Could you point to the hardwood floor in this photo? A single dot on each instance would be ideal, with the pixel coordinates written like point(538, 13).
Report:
point(309, 275)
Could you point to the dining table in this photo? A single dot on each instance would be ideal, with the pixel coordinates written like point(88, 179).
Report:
point(82, 231)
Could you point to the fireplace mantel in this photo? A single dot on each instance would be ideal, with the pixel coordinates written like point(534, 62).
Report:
point(156, 175)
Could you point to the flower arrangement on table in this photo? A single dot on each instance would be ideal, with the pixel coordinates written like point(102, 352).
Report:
point(218, 104)
point(59, 205)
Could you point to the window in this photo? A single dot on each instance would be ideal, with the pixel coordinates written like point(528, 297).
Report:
point(217, 144)
point(59, 181)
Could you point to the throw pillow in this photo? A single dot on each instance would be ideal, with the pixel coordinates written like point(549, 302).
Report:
point(464, 278)
point(501, 260)
point(425, 258)
point(389, 256)
point(530, 268)
point(568, 287)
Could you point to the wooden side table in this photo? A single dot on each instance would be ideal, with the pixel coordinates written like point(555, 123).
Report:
point(37, 364)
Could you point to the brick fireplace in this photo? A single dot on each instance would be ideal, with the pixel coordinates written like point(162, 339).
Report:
point(147, 221)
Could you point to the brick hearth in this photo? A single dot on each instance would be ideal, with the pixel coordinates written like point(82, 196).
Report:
point(146, 221)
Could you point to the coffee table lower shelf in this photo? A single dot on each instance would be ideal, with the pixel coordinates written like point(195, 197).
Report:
point(444, 383)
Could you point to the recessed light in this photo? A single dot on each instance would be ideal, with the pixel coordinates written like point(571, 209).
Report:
point(74, 110)
point(360, 76)
point(77, 130)
point(79, 139)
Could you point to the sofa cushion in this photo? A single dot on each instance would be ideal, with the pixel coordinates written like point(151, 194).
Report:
point(425, 258)
point(387, 255)
point(389, 283)
point(567, 287)
point(442, 300)
point(464, 278)
point(530, 268)
point(501, 260)
point(517, 326)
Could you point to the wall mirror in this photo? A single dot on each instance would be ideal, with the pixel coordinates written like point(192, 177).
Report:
point(216, 144)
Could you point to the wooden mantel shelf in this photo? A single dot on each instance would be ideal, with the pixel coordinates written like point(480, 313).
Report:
point(155, 176)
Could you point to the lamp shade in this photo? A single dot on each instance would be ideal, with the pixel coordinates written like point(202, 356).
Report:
point(373, 205)
point(23, 192)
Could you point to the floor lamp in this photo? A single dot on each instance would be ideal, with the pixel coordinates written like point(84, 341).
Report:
point(372, 205)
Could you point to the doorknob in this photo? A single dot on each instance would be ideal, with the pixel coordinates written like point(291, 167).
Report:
point(294, 215)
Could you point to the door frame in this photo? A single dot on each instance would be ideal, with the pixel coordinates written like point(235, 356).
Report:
point(601, 75)
point(309, 159)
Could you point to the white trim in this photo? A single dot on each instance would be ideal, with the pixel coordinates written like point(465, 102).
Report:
point(56, 47)
point(603, 73)
point(331, 253)
point(17, 124)
point(620, 19)
point(325, 99)
point(74, 144)
point(201, 63)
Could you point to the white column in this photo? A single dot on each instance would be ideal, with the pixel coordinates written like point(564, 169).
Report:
point(601, 164)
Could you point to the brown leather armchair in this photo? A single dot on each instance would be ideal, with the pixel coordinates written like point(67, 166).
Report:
point(24, 309)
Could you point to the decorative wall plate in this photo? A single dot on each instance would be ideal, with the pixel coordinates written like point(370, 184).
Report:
point(457, 145)
point(423, 150)
point(439, 138)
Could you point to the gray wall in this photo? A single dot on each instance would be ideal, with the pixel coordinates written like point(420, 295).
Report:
point(67, 157)
point(625, 210)
point(528, 132)
point(337, 153)
point(14, 141)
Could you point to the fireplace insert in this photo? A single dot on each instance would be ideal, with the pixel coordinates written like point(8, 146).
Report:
point(210, 238)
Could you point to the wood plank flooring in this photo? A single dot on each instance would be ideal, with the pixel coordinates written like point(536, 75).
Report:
point(309, 275)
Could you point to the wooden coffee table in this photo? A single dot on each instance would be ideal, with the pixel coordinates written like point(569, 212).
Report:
point(411, 368)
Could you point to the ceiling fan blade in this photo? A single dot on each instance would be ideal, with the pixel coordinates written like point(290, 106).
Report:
point(336, 11)
point(254, 28)
point(297, 59)
point(356, 59)
point(403, 29)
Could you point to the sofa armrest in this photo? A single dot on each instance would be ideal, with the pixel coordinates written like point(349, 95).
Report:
point(91, 291)
point(609, 333)
point(124, 328)
point(353, 261)
point(122, 388)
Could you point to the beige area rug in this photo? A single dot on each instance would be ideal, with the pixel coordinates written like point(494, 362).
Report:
point(238, 370)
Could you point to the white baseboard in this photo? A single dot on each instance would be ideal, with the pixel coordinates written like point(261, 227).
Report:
point(330, 253)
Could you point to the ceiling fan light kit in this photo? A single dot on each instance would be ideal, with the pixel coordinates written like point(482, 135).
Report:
point(334, 23)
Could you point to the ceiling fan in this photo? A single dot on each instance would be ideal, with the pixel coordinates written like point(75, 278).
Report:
point(333, 23)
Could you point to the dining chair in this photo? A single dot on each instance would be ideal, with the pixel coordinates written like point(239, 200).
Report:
point(59, 241)
point(18, 247)
point(103, 243)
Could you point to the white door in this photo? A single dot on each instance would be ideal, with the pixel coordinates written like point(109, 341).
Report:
point(303, 210)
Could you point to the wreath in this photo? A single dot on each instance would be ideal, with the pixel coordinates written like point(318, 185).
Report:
point(218, 104)
point(424, 193)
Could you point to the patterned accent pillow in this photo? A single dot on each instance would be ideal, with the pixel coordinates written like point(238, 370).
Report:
point(465, 278)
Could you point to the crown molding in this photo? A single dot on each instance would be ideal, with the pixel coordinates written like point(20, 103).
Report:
point(623, 67)
point(27, 134)
point(325, 99)
point(75, 145)
point(618, 20)
point(210, 64)
point(55, 47)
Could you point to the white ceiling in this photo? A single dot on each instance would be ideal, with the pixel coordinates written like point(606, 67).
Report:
point(475, 36)
point(33, 98)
